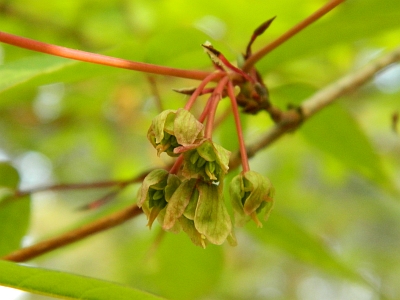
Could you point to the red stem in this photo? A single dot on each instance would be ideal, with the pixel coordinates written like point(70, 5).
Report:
point(204, 114)
point(242, 146)
point(177, 165)
point(200, 88)
point(215, 97)
point(98, 58)
point(251, 61)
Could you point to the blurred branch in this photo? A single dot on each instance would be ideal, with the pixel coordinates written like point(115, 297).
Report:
point(293, 118)
point(102, 224)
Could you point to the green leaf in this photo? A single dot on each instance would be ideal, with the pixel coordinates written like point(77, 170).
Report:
point(335, 132)
point(64, 285)
point(9, 176)
point(36, 70)
point(14, 221)
point(282, 232)
point(14, 215)
point(23, 70)
point(334, 30)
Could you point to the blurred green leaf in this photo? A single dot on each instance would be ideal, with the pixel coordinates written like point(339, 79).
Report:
point(14, 222)
point(65, 285)
point(366, 18)
point(42, 69)
point(14, 215)
point(9, 177)
point(284, 233)
point(335, 132)
point(172, 266)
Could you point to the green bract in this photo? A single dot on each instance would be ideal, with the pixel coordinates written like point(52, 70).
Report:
point(209, 160)
point(250, 194)
point(174, 128)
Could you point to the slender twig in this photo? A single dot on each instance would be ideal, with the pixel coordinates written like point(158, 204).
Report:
point(202, 85)
point(242, 146)
point(318, 101)
point(85, 186)
point(216, 96)
point(76, 186)
point(253, 59)
point(176, 166)
point(102, 224)
point(99, 58)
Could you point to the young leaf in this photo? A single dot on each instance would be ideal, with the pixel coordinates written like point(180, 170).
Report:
point(65, 285)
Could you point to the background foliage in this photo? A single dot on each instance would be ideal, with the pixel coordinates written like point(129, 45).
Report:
point(334, 233)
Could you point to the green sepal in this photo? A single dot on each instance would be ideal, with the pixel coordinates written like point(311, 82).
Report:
point(191, 207)
point(173, 182)
point(190, 229)
point(211, 217)
point(178, 202)
point(160, 219)
point(174, 129)
point(186, 127)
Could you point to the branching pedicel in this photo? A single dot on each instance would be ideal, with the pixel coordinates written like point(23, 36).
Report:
point(189, 196)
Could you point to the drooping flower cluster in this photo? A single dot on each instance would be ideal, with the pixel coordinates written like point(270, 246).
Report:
point(191, 197)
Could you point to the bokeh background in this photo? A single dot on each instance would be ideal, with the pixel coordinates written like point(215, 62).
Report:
point(335, 229)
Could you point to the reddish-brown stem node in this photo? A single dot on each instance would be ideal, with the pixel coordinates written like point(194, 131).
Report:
point(253, 59)
point(98, 58)
point(242, 146)
point(220, 60)
point(202, 85)
point(216, 96)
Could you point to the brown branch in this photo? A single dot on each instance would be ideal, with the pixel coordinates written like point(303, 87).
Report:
point(102, 224)
point(253, 59)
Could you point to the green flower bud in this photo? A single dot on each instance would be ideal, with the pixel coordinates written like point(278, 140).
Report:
point(178, 202)
point(250, 194)
point(172, 129)
point(208, 160)
point(155, 192)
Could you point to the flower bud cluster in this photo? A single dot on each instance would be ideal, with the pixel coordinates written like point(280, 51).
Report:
point(193, 200)
point(172, 129)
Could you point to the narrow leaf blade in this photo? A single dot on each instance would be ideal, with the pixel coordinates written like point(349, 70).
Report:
point(65, 285)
